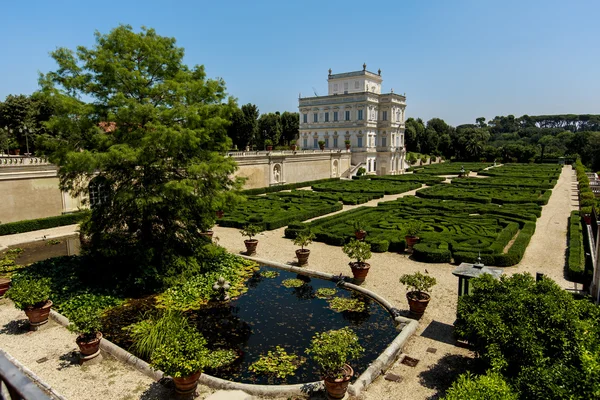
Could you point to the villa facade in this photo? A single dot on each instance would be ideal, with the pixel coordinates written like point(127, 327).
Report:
point(355, 110)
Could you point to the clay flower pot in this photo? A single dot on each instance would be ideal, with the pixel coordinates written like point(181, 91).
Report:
point(251, 246)
point(89, 348)
point(186, 385)
point(302, 255)
point(360, 235)
point(359, 271)
point(4, 285)
point(336, 388)
point(411, 241)
point(38, 315)
point(417, 306)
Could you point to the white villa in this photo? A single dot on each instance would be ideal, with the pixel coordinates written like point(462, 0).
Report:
point(356, 110)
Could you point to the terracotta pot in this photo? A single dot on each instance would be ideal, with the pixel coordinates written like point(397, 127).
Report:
point(39, 315)
point(302, 255)
point(251, 246)
point(336, 388)
point(411, 241)
point(89, 347)
point(322, 147)
point(360, 235)
point(417, 306)
point(269, 148)
point(360, 271)
point(293, 147)
point(4, 285)
point(207, 234)
point(220, 214)
point(187, 385)
point(347, 147)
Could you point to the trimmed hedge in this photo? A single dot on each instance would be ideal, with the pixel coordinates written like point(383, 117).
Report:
point(367, 186)
point(42, 223)
point(289, 186)
point(479, 194)
point(576, 259)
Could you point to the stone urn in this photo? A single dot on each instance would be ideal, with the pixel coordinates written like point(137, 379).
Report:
point(38, 315)
point(336, 388)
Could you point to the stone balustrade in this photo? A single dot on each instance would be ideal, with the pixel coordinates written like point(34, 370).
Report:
point(8, 161)
point(284, 152)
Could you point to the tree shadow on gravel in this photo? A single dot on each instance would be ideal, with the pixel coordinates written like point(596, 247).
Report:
point(162, 390)
point(69, 359)
point(15, 327)
point(441, 375)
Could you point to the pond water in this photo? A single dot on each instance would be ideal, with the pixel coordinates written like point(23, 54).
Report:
point(43, 249)
point(270, 315)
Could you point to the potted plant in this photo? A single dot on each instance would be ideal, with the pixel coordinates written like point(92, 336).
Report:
point(32, 296)
point(251, 243)
point(4, 285)
point(86, 322)
point(331, 351)
point(293, 147)
point(359, 230)
point(220, 214)
point(303, 239)
point(321, 144)
point(347, 143)
point(269, 144)
point(360, 251)
point(418, 285)
point(412, 231)
point(183, 356)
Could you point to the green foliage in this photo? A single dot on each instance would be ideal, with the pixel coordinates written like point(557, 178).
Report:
point(576, 257)
point(86, 321)
point(325, 293)
point(269, 274)
point(29, 293)
point(413, 227)
point(71, 307)
point(41, 223)
point(357, 250)
point(333, 349)
point(250, 231)
point(276, 363)
point(180, 350)
point(289, 186)
point(197, 290)
point(533, 333)
point(304, 238)
point(490, 386)
point(150, 333)
point(7, 262)
point(341, 304)
point(418, 282)
point(452, 168)
point(292, 283)
point(377, 186)
point(361, 171)
point(358, 226)
point(153, 131)
point(53, 242)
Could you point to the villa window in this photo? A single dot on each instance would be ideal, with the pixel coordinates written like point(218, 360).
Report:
point(359, 144)
point(327, 117)
point(315, 117)
point(305, 118)
point(356, 83)
point(383, 142)
point(315, 143)
point(335, 142)
point(305, 143)
point(335, 116)
point(327, 142)
point(98, 191)
point(347, 115)
point(384, 116)
point(360, 115)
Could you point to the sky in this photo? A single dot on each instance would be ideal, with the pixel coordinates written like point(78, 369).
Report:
point(455, 60)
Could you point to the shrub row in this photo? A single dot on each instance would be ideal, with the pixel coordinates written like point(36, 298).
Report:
point(451, 168)
point(289, 186)
point(576, 259)
point(428, 180)
point(587, 199)
point(506, 182)
point(478, 194)
point(367, 186)
point(41, 223)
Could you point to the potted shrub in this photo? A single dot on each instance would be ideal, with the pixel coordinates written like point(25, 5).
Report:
point(251, 243)
point(86, 322)
point(412, 231)
point(359, 230)
point(4, 285)
point(331, 351)
point(303, 239)
point(418, 285)
point(359, 251)
point(269, 144)
point(183, 356)
point(321, 144)
point(293, 147)
point(33, 297)
point(347, 143)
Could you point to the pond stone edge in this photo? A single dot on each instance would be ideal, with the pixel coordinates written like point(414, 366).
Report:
point(406, 326)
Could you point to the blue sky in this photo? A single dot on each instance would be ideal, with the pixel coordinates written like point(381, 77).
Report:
point(457, 60)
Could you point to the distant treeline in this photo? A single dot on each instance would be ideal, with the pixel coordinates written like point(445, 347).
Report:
point(523, 139)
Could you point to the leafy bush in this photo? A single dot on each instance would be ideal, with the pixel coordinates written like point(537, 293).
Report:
point(333, 349)
point(358, 250)
point(86, 322)
point(576, 258)
point(535, 334)
point(304, 238)
point(490, 386)
point(419, 283)
point(250, 231)
point(42, 223)
point(29, 293)
point(276, 363)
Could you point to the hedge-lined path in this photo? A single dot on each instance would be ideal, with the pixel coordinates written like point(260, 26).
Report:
point(44, 234)
point(547, 249)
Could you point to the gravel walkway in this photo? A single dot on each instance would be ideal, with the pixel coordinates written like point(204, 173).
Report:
point(433, 344)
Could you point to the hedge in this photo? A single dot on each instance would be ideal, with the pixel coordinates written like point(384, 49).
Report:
point(289, 186)
point(576, 258)
point(41, 223)
point(479, 194)
point(387, 187)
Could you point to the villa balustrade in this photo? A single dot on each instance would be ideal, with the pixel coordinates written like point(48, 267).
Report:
point(8, 161)
point(283, 152)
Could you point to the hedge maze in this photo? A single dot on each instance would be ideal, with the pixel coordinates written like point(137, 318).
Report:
point(361, 191)
point(450, 168)
point(275, 210)
point(458, 221)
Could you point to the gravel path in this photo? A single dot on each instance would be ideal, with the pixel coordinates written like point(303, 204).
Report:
point(433, 344)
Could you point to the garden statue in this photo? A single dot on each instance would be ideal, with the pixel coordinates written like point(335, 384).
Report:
point(221, 286)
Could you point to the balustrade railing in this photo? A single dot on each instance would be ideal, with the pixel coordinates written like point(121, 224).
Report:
point(15, 385)
point(8, 161)
point(283, 152)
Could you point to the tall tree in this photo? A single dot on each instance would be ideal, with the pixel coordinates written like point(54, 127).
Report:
point(250, 123)
point(269, 127)
point(290, 125)
point(153, 136)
